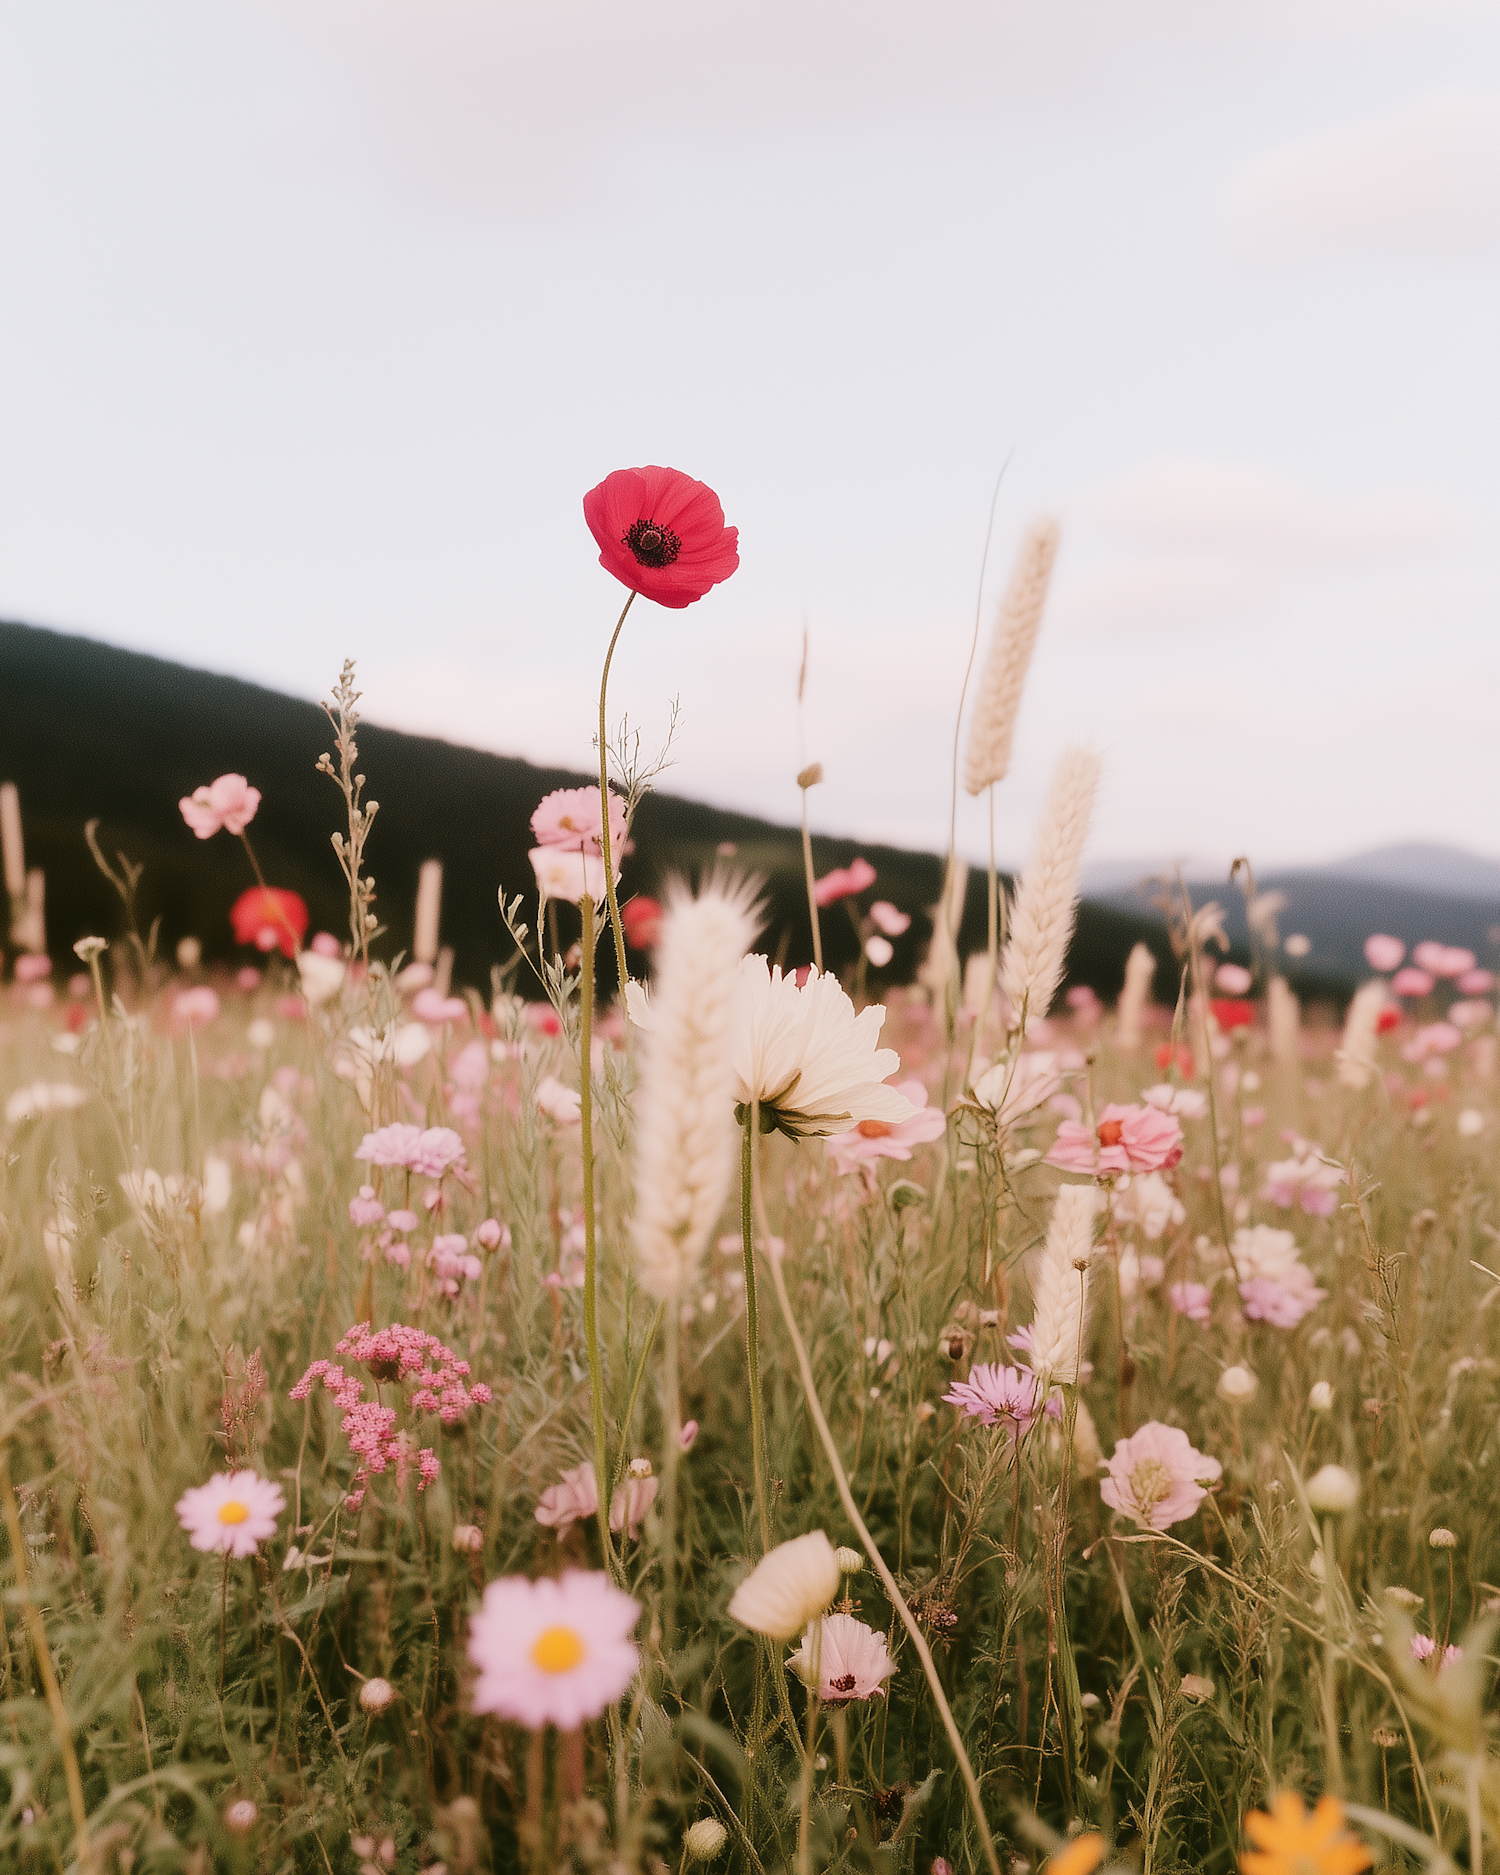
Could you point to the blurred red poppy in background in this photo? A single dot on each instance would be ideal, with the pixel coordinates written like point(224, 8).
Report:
point(661, 534)
point(269, 919)
point(642, 921)
point(1231, 1013)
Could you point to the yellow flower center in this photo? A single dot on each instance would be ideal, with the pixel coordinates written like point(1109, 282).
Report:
point(233, 1512)
point(558, 1650)
point(1150, 1482)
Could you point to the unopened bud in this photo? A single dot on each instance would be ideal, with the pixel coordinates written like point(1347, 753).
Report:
point(1237, 1385)
point(376, 1695)
point(705, 1839)
point(811, 775)
point(1443, 1539)
point(1333, 1490)
point(850, 1561)
point(1321, 1397)
point(239, 1818)
point(468, 1539)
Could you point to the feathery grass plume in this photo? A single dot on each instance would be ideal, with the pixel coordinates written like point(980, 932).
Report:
point(993, 725)
point(1046, 900)
point(1284, 1017)
point(685, 1125)
point(1356, 1051)
point(1140, 968)
point(1060, 1285)
point(424, 944)
point(939, 969)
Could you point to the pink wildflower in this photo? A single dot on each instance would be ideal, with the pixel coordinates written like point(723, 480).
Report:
point(428, 1006)
point(493, 1235)
point(1304, 1180)
point(228, 803)
point(844, 882)
point(1477, 982)
point(1188, 1103)
point(553, 1652)
point(1126, 1139)
point(569, 817)
point(994, 1393)
point(1154, 1476)
point(1282, 1301)
point(429, 1152)
point(1442, 960)
point(560, 1103)
point(232, 1514)
point(1432, 1039)
point(853, 1660)
point(1194, 1300)
point(1384, 953)
point(1412, 982)
point(197, 1007)
point(1233, 979)
point(562, 1505)
point(862, 1145)
point(366, 1209)
point(888, 920)
point(451, 1261)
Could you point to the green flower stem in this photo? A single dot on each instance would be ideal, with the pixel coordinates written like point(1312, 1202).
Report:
point(671, 1451)
point(609, 871)
point(590, 1228)
point(752, 1321)
point(888, 1581)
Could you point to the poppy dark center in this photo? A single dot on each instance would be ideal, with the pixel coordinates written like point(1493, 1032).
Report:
point(845, 1683)
point(652, 544)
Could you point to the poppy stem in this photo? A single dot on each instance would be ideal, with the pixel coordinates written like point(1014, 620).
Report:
point(590, 1231)
point(752, 1321)
point(609, 872)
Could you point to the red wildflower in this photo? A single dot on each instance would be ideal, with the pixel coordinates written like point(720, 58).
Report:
point(1231, 1013)
point(642, 921)
point(661, 534)
point(269, 919)
point(1183, 1056)
point(1387, 1020)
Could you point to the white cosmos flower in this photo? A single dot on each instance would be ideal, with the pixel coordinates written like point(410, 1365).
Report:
point(812, 1063)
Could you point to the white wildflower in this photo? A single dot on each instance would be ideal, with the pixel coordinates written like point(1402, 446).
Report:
point(788, 1587)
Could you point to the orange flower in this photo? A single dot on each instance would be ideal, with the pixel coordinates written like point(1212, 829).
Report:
point(1081, 1857)
point(1294, 1841)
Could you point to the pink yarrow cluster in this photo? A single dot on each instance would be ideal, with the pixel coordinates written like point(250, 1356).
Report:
point(1124, 1139)
point(404, 1355)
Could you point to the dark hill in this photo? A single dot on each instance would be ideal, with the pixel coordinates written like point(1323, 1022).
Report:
point(87, 730)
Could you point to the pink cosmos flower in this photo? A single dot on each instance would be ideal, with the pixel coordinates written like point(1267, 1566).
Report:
point(232, 1514)
point(1412, 982)
point(1233, 979)
point(1423, 1647)
point(1442, 960)
point(844, 882)
point(198, 1005)
point(569, 817)
point(1470, 1014)
point(1157, 1476)
point(428, 1152)
point(1305, 1181)
point(991, 1393)
point(1384, 953)
point(859, 1148)
point(661, 534)
point(228, 803)
point(1282, 1301)
point(553, 1652)
point(888, 920)
point(853, 1660)
point(566, 875)
point(1126, 1139)
point(1194, 1300)
point(1477, 982)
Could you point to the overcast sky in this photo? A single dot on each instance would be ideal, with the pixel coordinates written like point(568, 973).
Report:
point(319, 318)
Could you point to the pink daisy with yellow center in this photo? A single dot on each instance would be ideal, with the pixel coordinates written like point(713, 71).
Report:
point(232, 1514)
point(553, 1652)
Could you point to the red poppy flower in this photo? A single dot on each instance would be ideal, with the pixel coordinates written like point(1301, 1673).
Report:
point(1387, 1020)
point(1231, 1013)
point(661, 534)
point(1184, 1058)
point(269, 919)
point(642, 921)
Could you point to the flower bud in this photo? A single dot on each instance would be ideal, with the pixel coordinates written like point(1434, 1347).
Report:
point(1321, 1397)
point(705, 1839)
point(1237, 1385)
point(811, 775)
point(851, 1561)
point(1443, 1539)
point(376, 1695)
point(239, 1817)
point(468, 1539)
point(1333, 1490)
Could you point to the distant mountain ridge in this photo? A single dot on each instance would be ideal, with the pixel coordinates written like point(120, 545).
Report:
point(87, 730)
